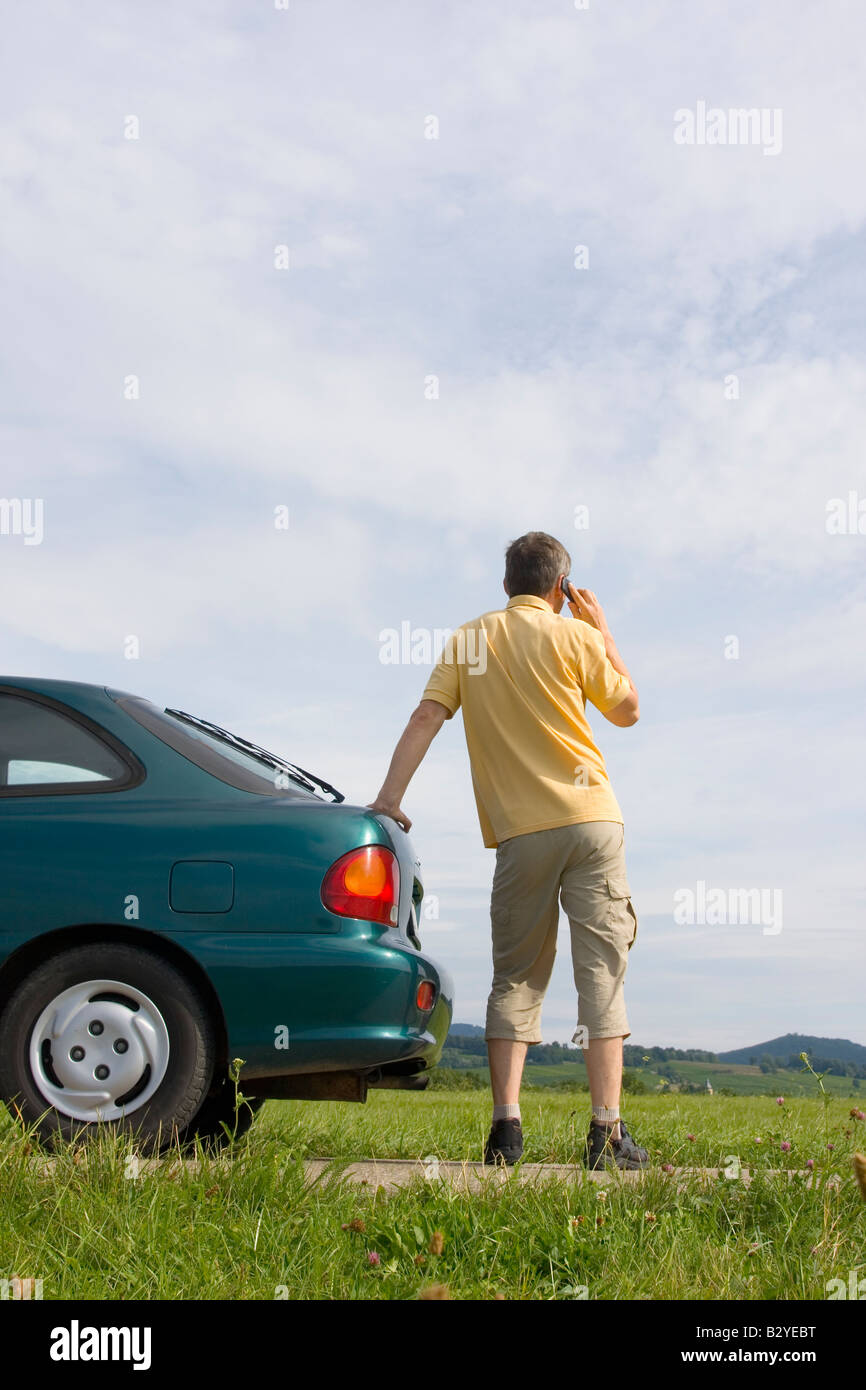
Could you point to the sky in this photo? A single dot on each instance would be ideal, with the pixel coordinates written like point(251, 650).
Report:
point(311, 308)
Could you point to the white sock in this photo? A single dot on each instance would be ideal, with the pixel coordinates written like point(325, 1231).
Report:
point(506, 1112)
point(608, 1115)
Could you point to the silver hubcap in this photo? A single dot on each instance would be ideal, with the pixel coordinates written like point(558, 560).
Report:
point(99, 1050)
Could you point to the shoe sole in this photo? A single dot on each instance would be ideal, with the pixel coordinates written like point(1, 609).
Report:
point(607, 1161)
point(620, 1168)
point(611, 1165)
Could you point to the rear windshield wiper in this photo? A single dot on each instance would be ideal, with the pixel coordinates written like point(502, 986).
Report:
point(305, 779)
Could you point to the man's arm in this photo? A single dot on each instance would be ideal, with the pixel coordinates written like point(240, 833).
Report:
point(424, 724)
point(627, 712)
point(587, 608)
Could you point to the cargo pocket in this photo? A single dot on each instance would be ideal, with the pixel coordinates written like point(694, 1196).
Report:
point(620, 908)
point(500, 915)
point(500, 918)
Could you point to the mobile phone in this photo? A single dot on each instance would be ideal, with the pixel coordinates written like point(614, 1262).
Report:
point(563, 584)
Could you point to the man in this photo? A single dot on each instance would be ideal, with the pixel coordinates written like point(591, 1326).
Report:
point(522, 676)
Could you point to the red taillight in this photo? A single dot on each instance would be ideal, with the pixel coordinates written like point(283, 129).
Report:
point(364, 883)
point(425, 996)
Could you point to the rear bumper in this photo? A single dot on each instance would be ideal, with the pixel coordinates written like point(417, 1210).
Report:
point(383, 1026)
point(404, 1059)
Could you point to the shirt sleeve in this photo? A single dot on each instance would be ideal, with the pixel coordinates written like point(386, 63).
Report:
point(602, 684)
point(444, 683)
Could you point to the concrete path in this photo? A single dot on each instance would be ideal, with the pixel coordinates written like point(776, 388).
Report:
point(392, 1173)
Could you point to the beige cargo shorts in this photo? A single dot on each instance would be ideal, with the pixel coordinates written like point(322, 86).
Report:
point(583, 866)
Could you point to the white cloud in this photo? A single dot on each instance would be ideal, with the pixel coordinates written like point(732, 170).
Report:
point(558, 387)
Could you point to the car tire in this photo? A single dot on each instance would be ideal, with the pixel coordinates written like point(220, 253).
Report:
point(106, 1036)
point(218, 1122)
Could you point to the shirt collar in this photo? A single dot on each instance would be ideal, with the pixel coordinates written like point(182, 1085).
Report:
point(528, 601)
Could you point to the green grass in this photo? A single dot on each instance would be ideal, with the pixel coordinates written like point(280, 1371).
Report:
point(243, 1228)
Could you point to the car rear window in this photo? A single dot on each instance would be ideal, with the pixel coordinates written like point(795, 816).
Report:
point(221, 759)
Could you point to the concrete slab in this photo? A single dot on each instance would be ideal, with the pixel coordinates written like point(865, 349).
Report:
point(392, 1174)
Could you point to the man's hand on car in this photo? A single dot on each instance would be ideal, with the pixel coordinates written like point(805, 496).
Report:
point(386, 808)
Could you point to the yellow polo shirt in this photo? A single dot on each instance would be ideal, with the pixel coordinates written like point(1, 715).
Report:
point(522, 676)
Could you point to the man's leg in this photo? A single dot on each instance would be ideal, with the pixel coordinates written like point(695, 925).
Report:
point(524, 915)
point(596, 897)
point(604, 1069)
point(506, 1070)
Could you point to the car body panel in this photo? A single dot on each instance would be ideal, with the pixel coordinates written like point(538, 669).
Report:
point(232, 879)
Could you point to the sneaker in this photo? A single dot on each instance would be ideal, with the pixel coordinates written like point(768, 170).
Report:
point(604, 1152)
point(504, 1143)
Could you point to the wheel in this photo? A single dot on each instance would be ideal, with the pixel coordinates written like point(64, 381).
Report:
point(217, 1113)
point(106, 1036)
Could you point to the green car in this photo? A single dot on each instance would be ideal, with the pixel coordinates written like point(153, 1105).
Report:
point(175, 898)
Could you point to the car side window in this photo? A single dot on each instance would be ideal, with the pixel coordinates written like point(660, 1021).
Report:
point(21, 772)
point(42, 750)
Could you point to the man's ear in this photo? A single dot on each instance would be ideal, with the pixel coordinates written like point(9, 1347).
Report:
point(505, 588)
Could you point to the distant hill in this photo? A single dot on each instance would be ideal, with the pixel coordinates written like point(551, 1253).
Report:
point(745, 1071)
point(471, 1036)
point(839, 1048)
